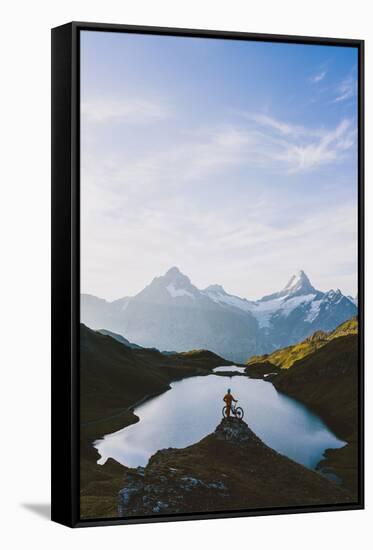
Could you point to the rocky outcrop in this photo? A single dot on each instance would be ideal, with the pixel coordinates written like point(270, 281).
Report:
point(229, 469)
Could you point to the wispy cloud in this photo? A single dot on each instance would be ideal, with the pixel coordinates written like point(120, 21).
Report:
point(346, 89)
point(298, 147)
point(178, 231)
point(318, 77)
point(124, 109)
point(194, 156)
point(281, 126)
point(229, 191)
point(328, 148)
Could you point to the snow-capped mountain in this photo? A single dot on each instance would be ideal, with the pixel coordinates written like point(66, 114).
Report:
point(172, 313)
point(298, 310)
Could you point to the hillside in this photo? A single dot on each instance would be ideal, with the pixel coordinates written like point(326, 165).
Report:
point(286, 357)
point(322, 373)
point(119, 337)
point(327, 382)
point(230, 469)
point(115, 377)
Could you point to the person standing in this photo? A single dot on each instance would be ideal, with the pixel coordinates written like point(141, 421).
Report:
point(228, 398)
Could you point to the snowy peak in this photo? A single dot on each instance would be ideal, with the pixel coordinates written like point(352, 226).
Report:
point(177, 292)
point(214, 289)
point(217, 294)
point(174, 274)
point(299, 284)
point(173, 284)
point(172, 313)
point(334, 296)
point(334, 293)
point(173, 277)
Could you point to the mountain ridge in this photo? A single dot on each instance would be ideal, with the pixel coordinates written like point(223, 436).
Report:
point(172, 313)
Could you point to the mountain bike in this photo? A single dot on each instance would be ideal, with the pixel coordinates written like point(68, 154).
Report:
point(236, 411)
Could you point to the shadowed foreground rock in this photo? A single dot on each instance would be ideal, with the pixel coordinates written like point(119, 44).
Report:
point(230, 469)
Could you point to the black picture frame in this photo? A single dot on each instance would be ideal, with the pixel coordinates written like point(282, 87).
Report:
point(66, 270)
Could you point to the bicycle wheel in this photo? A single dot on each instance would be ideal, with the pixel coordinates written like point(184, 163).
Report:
point(224, 412)
point(239, 413)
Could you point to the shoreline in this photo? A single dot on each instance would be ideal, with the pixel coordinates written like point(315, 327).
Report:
point(113, 474)
point(136, 376)
point(131, 408)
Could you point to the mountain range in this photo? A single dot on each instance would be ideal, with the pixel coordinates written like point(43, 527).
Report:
point(173, 314)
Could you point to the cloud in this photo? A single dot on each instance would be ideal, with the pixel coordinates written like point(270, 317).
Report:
point(300, 148)
point(346, 89)
point(143, 213)
point(198, 157)
point(192, 157)
point(275, 124)
point(120, 255)
point(124, 109)
point(328, 148)
point(318, 77)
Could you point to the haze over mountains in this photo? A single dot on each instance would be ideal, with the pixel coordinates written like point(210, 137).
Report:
point(173, 314)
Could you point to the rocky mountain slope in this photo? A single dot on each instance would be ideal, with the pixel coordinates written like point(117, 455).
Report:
point(230, 469)
point(173, 314)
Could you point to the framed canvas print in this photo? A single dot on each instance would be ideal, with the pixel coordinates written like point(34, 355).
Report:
point(207, 277)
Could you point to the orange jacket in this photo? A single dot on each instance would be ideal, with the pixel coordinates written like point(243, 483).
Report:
point(228, 398)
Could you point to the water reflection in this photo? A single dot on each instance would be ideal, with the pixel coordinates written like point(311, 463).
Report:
point(193, 408)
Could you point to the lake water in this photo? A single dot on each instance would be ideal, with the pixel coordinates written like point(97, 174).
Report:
point(193, 408)
point(231, 368)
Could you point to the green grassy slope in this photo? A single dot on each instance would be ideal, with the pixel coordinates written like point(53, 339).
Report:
point(286, 357)
point(326, 380)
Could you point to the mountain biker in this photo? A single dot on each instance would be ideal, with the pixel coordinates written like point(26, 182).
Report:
point(228, 398)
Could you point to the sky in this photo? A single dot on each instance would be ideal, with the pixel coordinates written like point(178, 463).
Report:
point(234, 160)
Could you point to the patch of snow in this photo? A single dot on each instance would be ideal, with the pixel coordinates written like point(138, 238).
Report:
point(334, 295)
point(295, 281)
point(314, 311)
point(177, 292)
point(292, 303)
point(263, 311)
point(221, 297)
